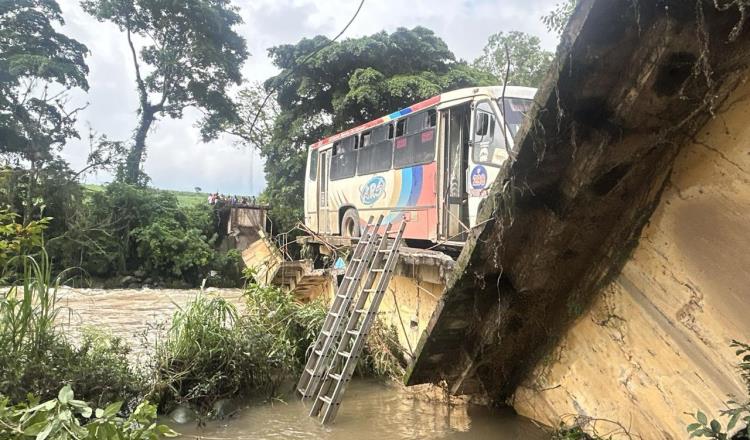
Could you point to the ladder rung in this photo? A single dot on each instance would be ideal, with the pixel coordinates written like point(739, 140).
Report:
point(310, 371)
point(384, 251)
point(378, 270)
point(325, 332)
point(356, 259)
point(361, 311)
point(319, 352)
point(345, 354)
point(301, 391)
point(369, 290)
point(341, 296)
point(326, 399)
point(336, 377)
point(353, 332)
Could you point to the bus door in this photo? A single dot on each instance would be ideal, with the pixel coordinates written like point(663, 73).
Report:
point(487, 154)
point(455, 123)
point(323, 174)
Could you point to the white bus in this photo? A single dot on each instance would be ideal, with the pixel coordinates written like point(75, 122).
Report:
point(429, 164)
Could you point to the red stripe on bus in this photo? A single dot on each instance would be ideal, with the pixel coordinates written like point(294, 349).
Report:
point(414, 108)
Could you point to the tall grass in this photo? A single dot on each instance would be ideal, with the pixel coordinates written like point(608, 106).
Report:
point(28, 308)
point(213, 351)
point(36, 358)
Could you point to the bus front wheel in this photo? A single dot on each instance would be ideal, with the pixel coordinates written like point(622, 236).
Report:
point(350, 224)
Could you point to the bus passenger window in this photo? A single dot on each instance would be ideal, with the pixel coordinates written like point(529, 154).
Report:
point(365, 139)
point(390, 131)
point(431, 120)
point(401, 127)
point(376, 155)
point(344, 158)
point(417, 145)
point(313, 164)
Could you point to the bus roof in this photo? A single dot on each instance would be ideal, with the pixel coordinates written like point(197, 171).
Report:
point(494, 91)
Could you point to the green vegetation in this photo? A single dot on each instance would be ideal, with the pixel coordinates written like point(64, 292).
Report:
point(61, 418)
point(519, 55)
point(185, 199)
point(211, 352)
point(35, 357)
point(214, 352)
point(736, 411)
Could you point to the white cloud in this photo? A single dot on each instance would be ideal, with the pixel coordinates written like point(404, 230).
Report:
point(177, 159)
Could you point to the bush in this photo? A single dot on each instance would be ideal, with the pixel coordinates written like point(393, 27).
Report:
point(165, 247)
point(65, 417)
point(35, 358)
point(212, 352)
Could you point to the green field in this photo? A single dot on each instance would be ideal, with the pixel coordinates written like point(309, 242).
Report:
point(184, 198)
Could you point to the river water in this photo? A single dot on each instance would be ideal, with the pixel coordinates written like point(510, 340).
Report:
point(370, 409)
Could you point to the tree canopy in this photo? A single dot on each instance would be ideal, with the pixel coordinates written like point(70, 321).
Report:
point(558, 18)
point(191, 54)
point(528, 61)
point(37, 66)
point(347, 83)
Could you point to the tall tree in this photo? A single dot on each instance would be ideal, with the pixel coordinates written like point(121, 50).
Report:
point(528, 61)
point(190, 55)
point(38, 66)
point(344, 84)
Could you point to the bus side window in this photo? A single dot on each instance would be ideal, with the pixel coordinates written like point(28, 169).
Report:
point(390, 130)
point(376, 155)
point(431, 119)
point(401, 127)
point(417, 146)
point(313, 164)
point(365, 139)
point(344, 158)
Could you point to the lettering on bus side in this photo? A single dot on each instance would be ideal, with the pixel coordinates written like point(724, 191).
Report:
point(372, 191)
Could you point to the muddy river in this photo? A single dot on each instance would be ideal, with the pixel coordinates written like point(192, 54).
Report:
point(370, 410)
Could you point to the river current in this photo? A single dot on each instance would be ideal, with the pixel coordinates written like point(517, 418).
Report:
point(370, 409)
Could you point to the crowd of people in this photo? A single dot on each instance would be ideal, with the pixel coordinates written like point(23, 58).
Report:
point(221, 199)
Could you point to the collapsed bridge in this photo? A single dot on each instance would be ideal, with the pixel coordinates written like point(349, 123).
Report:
point(633, 85)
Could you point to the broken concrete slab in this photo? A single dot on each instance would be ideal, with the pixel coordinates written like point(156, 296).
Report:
point(633, 81)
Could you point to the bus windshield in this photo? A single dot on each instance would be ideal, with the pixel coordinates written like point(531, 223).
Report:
point(515, 110)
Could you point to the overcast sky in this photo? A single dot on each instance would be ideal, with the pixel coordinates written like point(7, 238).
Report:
point(177, 159)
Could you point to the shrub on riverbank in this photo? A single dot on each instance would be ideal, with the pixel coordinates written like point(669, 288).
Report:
point(214, 352)
point(36, 358)
point(65, 417)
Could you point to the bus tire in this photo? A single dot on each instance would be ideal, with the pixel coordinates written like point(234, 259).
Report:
point(350, 224)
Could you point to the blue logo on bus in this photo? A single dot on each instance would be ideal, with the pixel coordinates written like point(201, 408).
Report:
point(479, 177)
point(372, 191)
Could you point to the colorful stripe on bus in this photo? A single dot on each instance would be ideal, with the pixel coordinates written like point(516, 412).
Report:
point(395, 115)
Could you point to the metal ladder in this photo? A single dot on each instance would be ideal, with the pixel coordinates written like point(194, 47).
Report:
point(360, 322)
point(321, 354)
